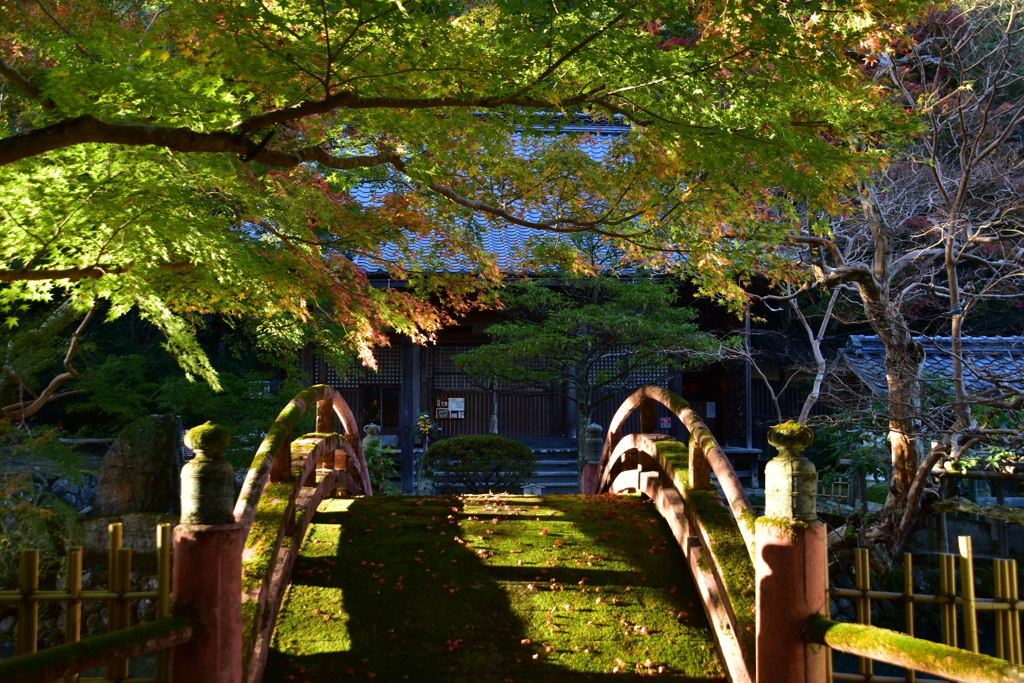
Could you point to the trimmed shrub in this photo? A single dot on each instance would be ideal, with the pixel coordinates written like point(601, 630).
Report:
point(478, 464)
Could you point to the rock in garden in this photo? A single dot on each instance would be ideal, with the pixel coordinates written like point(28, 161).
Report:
point(140, 471)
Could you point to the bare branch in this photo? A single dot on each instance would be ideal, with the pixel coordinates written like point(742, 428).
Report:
point(21, 411)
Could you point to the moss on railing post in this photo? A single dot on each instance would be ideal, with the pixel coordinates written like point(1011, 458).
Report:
point(790, 479)
point(790, 564)
point(208, 565)
point(207, 481)
point(700, 468)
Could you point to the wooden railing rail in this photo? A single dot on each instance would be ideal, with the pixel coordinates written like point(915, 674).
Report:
point(710, 534)
point(122, 640)
point(64, 661)
point(1004, 603)
point(272, 460)
point(705, 453)
point(906, 651)
point(273, 541)
point(288, 479)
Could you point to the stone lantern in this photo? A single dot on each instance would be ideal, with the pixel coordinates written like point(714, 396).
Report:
point(791, 480)
point(207, 481)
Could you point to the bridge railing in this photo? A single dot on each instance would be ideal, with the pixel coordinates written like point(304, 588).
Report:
point(221, 547)
point(282, 490)
point(716, 536)
point(705, 455)
point(902, 649)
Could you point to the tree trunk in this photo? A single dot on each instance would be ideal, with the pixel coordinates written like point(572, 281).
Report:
point(903, 358)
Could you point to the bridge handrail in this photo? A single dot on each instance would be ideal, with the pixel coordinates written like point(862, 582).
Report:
point(708, 450)
point(275, 446)
point(56, 662)
point(908, 652)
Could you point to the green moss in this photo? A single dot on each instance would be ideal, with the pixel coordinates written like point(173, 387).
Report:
point(250, 624)
point(208, 438)
point(263, 539)
point(89, 652)
point(383, 586)
point(899, 648)
point(733, 559)
point(675, 460)
point(673, 401)
point(749, 520)
point(793, 527)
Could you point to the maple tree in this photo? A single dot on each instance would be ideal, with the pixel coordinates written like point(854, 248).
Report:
point(191, 157)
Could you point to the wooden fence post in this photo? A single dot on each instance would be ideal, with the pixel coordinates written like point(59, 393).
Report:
point(790, 564)
point(208, 564)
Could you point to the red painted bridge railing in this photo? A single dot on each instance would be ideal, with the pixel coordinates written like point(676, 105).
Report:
point(762, 580)
point(716, 536)
point(231, 558)
point(282, 490)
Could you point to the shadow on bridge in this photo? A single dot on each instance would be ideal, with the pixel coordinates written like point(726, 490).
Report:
point(491, 589)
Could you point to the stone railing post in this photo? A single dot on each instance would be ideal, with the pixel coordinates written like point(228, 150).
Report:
point(372, 436)
point(207, 581)
point(590, 458)
point(790, 563)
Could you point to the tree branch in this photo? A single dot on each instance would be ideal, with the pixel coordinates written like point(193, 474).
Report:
point(15, 78)
point(97, 271)
point(350, 100)
point(86, 129)
point(20, 411)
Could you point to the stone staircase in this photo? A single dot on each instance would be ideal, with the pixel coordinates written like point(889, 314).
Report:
point(556, 463)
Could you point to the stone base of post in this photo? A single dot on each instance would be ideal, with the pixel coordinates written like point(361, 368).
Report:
point(208, 589)
point(588, 477)
point(790, 576)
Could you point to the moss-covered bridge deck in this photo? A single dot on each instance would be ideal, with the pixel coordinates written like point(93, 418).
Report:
point(491, 588)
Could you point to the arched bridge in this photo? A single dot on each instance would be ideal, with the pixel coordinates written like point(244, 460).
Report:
point(660, 570)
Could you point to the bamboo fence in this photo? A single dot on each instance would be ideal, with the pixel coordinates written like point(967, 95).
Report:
point(118, 597)
point(1005, 603)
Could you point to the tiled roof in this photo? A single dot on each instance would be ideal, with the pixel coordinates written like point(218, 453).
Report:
point(504, 241)
point(988, 361)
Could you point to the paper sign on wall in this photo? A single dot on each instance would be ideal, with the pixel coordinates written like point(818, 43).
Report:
point(451, 408)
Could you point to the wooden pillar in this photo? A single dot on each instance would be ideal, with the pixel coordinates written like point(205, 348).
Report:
point(700, 468)
point(790, 564)
point(208, 565)
point(648, 416)
point(208, 589)
point(281, 470)
point(324, 417)
point(408, 407)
